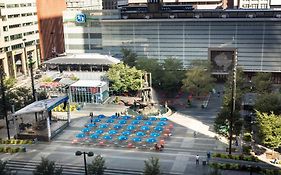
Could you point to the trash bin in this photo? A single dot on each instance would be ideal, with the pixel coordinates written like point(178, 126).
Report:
point(204, 162)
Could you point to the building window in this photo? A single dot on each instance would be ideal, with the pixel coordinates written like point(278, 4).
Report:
point(79, 47)
point(95, 35)
point(6, 38)
point(17, 36)
point(28, 33)
point(254, 6)
point(14, 26)
point(5, 28)
point(14, 16)
point(17, 46)
point(4, 18)
point(96, 47)
point(263, 6)
point(12, 5)
point(27, 24)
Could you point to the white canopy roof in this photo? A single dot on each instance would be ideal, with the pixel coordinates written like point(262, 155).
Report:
point(88, 83)
point(39, 106)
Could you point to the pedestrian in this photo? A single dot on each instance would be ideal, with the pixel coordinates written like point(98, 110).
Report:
point(197, 159)
point(194, 134)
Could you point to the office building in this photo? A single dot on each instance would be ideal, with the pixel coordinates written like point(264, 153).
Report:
point(197, 4)
point(50, 23)
point(253, 36)
point(19, 36)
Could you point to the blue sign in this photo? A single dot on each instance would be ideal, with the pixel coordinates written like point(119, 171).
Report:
point(80, 18)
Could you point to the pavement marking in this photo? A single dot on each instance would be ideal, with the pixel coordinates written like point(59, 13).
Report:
point(180, 162)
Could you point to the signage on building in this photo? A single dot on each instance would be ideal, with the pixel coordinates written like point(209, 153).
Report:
point(80, 18)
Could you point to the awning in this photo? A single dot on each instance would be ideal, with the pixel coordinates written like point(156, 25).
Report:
point(39, 106)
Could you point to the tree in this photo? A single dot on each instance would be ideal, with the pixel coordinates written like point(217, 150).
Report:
point(268, 103)
point(262, 82)
point(223, 118)
point(97, 166)
point(269, 129)
point(198, 81)
point(129, 57)
point(3, 168)
point(47, 167)
point(124, 79)
point(152, 167)
point(152, 66)
point(172, 75)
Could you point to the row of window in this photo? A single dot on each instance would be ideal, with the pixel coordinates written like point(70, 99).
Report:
point(22, 15)
point(5, 28)
point(254, 6)
point(19, 36)
point(85, 35)
point(21, 5)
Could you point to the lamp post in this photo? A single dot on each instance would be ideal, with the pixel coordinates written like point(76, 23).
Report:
point(90, 154)
point(2, 74)
point(233, 97)
point(32, 79)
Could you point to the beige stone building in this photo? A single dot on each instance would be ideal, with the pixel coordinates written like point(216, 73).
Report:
point(19, 36)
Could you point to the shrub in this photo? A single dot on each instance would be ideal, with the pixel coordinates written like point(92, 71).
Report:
point(1, 149)
point(247, 137)
point(246, 149)
point(218, 155)
point(227, 166)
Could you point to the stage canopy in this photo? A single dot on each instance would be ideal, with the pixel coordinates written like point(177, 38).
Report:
point(39, 106)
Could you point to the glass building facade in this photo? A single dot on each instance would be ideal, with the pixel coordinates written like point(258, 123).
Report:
point(256, 41)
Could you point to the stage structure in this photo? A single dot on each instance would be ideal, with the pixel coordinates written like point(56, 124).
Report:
point(47, 125)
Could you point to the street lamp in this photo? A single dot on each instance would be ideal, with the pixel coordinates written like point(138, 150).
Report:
point(2, 74)
point(90, 154)
point(32, 79)
point(233, 98)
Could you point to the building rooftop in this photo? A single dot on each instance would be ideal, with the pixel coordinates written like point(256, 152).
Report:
point(88, 83)
point(84, 59)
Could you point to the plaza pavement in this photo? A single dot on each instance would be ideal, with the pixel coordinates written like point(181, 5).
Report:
point(177, 157)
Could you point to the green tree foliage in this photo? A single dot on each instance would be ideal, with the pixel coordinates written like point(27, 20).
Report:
point(9, 83)
point(262, 82)
point(47, 167)
point(3, 168)
point(129, 57)
point(267, 103)
point(223, 118)
point(172, 74)
point(152, 166)
point(152, 66)
point(198, 81)
point(97, 166)
point(269, 129)
point(124, 79)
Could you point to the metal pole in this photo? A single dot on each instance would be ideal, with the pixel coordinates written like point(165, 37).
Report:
point(4, 102)
point(233, 95)
point(85, 163)
point(32, 81)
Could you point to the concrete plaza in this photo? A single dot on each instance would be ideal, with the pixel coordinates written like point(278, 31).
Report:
point(178, 156)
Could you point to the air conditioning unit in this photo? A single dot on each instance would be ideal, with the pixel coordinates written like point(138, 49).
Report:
point(223, 16)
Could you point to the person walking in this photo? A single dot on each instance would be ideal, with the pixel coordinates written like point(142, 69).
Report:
point(197, 159)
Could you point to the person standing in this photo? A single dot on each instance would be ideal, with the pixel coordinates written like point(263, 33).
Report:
point(197, 159)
